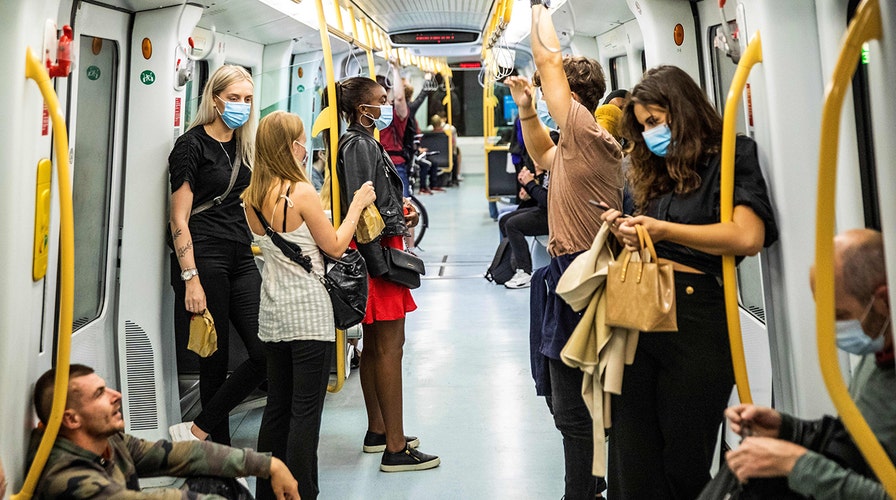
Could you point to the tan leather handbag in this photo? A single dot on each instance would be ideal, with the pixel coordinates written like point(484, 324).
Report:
point(640, 290)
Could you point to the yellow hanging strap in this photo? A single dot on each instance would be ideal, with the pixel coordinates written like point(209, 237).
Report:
point(866, 25)
point(751, 57)
point(36, 71)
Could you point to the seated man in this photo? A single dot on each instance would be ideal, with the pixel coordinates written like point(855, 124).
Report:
point(94, 458)
point(525, 221)
point(780, 445)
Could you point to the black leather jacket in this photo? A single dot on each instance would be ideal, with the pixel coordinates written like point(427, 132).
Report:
point(361, 158)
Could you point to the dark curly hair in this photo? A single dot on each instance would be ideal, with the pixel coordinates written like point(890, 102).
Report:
point(352, 93)
point(586, 79)
point(696, 133)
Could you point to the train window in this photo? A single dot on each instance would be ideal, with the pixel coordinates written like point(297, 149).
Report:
point(723, 69)
point(91, 180)
point(193, 91)
point(749, 272)
point(865, 135)
point(619, 73)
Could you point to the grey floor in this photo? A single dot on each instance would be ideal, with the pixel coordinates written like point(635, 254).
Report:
point(468, 392)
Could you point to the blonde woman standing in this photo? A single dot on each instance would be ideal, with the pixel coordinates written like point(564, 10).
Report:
point(296, 316)
point(212, 266)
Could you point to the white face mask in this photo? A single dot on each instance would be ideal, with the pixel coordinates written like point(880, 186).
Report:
point(851, 337)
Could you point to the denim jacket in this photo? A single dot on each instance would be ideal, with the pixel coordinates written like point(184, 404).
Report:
point(361, 158)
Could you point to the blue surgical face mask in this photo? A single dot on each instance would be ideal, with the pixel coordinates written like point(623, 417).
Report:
point(658, 138)
point(541, 107)
point(851, 337)
point(235, 114)
point(385, 118)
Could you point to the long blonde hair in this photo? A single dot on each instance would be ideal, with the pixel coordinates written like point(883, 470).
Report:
point(274, 161)
point(222, 78)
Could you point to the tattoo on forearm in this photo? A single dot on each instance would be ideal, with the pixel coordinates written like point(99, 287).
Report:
point(177, 233)
point(183, 250)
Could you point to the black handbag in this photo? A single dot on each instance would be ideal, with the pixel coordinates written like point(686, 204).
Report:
point(392, 264)
point(404, 268)
point(345, 278)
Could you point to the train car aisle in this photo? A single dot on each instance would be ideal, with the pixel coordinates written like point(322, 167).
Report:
point(468, 392)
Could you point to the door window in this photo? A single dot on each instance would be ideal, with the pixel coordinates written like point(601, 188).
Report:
point(91, 177)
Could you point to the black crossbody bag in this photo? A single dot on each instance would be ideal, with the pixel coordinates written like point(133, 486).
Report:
point(345, 278)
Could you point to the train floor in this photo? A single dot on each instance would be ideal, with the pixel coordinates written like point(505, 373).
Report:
point(468, 392)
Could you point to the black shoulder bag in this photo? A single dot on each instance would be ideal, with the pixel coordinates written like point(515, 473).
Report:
point(345, 278)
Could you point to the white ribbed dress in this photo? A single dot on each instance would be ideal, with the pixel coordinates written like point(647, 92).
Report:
point(294, 304)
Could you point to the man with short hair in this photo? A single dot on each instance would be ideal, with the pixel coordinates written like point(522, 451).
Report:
point(810, 453)
point(584, 166)
point(94, 458)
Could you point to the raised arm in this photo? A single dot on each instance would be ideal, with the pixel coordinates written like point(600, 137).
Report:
point(549, 62)
point(399, 103)
point(538, 141)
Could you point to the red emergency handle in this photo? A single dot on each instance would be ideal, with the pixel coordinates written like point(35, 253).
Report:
point(63, 66)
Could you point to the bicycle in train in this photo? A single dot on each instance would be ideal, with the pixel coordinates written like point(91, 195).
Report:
point(414, 181)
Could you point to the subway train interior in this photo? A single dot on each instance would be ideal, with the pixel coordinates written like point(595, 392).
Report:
point(97, 91)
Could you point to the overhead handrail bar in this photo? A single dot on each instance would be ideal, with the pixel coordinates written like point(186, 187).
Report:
point(35, 70)
point(865, 26)
point(751, 57)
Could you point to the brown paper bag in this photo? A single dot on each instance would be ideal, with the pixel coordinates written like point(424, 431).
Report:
point(203, 337)
point(370, 225)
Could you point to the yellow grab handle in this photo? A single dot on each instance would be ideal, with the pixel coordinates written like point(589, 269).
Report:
point(865, 25)
point(35, 70)
point(329, 119)
point(751, 57)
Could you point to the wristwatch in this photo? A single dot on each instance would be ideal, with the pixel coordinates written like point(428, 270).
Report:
point(188, 274)
point(546, 3)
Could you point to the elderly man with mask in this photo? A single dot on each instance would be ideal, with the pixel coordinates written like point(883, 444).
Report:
point(818, 458)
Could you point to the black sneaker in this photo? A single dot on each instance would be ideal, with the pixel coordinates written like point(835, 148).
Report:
point(376, 443)
point(408, 459)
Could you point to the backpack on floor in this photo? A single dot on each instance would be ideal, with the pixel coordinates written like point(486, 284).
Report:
point(501, 270)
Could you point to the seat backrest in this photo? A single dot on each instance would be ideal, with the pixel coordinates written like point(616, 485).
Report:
point(437, 141)
point(500, 181)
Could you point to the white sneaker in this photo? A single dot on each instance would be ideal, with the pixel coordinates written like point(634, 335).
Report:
point(521, 279)
point(182, 432)
point(243, 482)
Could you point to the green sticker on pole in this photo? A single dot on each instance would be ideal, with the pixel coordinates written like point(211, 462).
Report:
point(147, 77)
point(93, 73)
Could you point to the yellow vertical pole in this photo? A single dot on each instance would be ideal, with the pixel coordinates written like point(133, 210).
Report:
point(35, 70)
point(752, 56)
point(330, 118)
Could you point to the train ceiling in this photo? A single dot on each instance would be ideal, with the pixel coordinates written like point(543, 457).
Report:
point(256, 20)
point(405, 15)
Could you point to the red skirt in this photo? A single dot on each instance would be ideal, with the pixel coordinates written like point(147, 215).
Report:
point(387, 301)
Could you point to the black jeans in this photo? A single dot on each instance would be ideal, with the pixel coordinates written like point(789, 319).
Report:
point(298, 372)
point(232, 286)
point(572, 419)
point(516, 225)
point(666, 421)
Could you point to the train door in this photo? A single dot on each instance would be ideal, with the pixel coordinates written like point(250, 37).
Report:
point(96, 116)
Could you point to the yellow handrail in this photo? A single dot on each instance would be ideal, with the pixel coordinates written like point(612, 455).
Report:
point(865, 25)
point(329, 119)
point(751, 57)
point(36, 71)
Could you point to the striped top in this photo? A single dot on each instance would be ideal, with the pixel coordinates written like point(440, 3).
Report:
point(294, 304)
